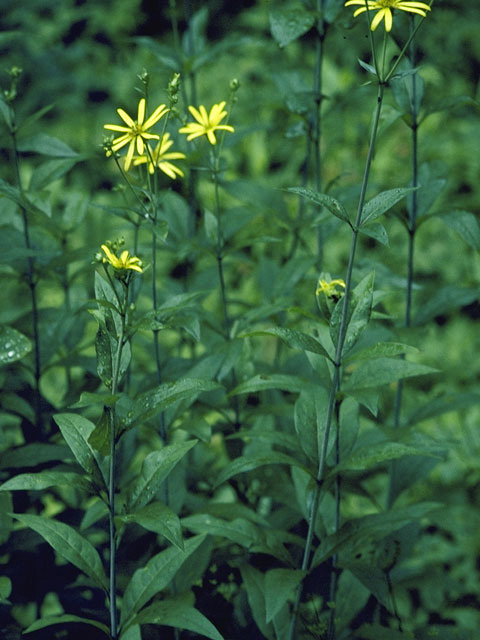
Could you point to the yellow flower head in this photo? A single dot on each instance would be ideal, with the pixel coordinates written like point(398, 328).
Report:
point(136, 132)
point(159, 157)
point(384, 8)
point(122, 263)
point(329, 287)
point(207, 123)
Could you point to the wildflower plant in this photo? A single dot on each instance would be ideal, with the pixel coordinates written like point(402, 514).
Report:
point(255, 412)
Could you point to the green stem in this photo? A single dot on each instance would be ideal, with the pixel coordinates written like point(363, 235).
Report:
point(111, 471)
point(335, 571)
point(336, 378)
point(317, 124)
point(411, 228)
point(32, 283)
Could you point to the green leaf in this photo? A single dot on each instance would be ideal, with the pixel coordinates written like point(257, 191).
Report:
point(359, 312)
point(293, 338)
point(13, 345)
point(280, 586)
point(430, 187)
point(31, 455)
point(249, 463)
point(380, 349)
point(5, 589)
point(263, 382)
point(6, 522)
point(180, 615)
point(310, 419)
point(155, 576)
point(52, 620)
point(160, 519)
point(375, 631)
point(69, 544)
point(371, 456)
point(465, 224)
point(382, 203)
point(444, 300)
point(50, 171)
point(239, 530)
point(334, 206)
point(444, 404)
point(77, 430)
point(44, 480)
point(376, 231)
point(375, 526)
point(156, 467)
point(381, 371)
point(254, 583)
point(367, 67)
point(47, 146)
point(287, 25)
point(151, 402)
point(349, 425)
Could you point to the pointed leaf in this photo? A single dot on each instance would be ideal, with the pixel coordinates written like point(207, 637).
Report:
point(155, 576)
point(444, 300)
point(52, 620)
point(249, 463)
point(382, 203)
point(156, 467)
point(388, 349)
point(376, 231)
point(293, 338)
point(76, 430)
point(47, 146)
point(368, 457)
point(334, 206)
point(382, 371)
point(465, 224)
point(160, 519)
point(150, 403)
point(287, 25)
point(280, 586)
point(263, 382)
point(239, 530)
point(358, 316)
point(13, 345)
point(180, 615)
point(43, 480)
point(69, 544)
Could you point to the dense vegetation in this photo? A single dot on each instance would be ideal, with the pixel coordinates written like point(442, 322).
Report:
point(238, 338)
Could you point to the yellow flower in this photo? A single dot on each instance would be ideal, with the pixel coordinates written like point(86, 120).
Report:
point(123, 262)
point(160, 158)
point(329, 287)
point(135, 133)
point(384, 8)
point(207, 123)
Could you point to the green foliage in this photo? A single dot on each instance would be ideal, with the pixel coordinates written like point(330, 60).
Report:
point(188, 447)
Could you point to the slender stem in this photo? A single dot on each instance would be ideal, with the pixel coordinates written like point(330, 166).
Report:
point(32, 282)
point(220, 245)
point(111, 472)
point(336, 378)
point(317, 124)
point(411, 228)
point(335, 572)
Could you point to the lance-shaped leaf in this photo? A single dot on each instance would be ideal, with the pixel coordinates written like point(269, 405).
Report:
point(151, 402)
point(263, 382)
point(44, 480)
point(180, 615)
point(382, 203)
point(358, 315)
point(287, 25)
point(465, 224)
point(49, 621)
point(375, 526)
point(13, 345)
point(239, 530)
point(77, 430)
point(249, 463)
point(369, 457)
point(155, 576)
point(69, 544)
point(280, 585)
point(293, 338)
point(380, 371)
point(160, 519)
point(156, 467)
point(334, 206)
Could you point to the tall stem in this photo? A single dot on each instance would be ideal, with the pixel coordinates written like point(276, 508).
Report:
point(111, 472)
point(411, 228)
point(317, 123)
point(32, 283)
point(336, 378)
